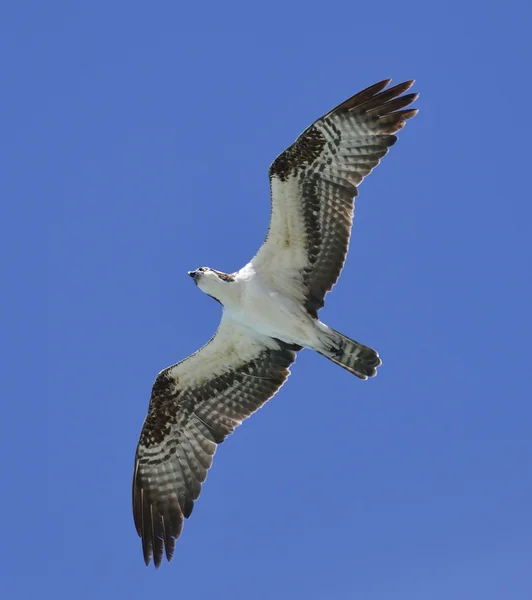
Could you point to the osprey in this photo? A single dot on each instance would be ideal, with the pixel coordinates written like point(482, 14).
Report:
point(270, 311)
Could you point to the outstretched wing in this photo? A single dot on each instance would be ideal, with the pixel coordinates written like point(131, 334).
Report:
point(194, 405)
point(313, 184)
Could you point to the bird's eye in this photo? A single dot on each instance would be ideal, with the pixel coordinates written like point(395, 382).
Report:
point(202, 269)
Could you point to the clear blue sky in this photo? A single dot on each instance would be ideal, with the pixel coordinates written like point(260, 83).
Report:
point(135, 146)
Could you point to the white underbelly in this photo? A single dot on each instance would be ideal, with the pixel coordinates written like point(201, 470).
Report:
point(269, 313)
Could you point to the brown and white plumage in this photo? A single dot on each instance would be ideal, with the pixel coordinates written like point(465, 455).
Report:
point(194, 405)
point(313, 184)
point(270, 311)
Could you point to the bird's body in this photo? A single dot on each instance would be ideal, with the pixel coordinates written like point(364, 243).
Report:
point(252, 303)
point(270, 311)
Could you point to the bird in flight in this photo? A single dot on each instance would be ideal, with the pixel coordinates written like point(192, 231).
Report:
point(270, 311)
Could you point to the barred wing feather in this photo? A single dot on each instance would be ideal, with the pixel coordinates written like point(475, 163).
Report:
point(313, 184)
point(194, 405)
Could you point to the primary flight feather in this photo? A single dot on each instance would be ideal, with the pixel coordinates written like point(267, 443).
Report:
point(270, 311)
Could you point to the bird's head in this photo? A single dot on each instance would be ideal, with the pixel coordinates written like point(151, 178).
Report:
point(210, 281)
point(201, 275)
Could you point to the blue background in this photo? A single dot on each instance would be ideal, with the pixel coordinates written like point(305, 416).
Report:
point(135, 145)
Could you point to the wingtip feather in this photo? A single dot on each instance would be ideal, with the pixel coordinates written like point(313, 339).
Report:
point(378, 97)
point(362, 96)
point(408, 114)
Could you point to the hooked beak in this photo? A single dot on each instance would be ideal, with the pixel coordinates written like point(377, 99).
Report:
point(192, 274)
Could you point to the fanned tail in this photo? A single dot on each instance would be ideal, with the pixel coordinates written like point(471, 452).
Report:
point(356, 358)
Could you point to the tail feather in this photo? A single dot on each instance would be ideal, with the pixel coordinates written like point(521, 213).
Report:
point(350, 355)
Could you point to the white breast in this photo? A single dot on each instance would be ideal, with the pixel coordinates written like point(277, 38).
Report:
point(268, 312)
